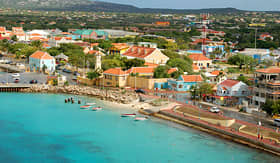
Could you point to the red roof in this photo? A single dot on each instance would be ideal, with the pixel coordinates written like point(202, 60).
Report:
point(195, 67)
point(141, 70)
point(216, 72)
point(229, 83)
point(139, 52)
point(192, 78)
point(93, 52)
point(170, 71)
point(269, 70)
point(2, 29)
point(198, 57)
point(115, 71)
point(41, 55)
point(151, 64)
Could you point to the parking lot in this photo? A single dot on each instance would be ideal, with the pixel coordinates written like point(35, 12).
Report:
point(24, 78)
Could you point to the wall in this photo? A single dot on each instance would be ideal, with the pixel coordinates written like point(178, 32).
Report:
point(144, 83)
point(157, 57)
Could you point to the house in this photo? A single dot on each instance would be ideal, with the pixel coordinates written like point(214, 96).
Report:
point(233, 90)
point(149, 55)
point(40, 59)
point(200, 60)
point(264, 37)
point(216, 76)
point(184, 82)
point(112, 33)
point(90, 34)
point(4, 33)
point(142, 71)
point(56, 41)
point(114, 77)
point(118, 48)
point(19, 33)
point(159, 23)
point(258, 54)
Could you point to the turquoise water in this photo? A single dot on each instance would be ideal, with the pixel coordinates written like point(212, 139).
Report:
point(42, 128)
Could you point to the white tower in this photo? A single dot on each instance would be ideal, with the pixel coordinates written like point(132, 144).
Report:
point(98, 62)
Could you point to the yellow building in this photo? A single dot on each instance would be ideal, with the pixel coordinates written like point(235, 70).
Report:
point(118, 48)
point(114, 77)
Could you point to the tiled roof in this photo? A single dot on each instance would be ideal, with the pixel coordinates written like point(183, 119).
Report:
point(45, 45)
point(151, 64)
point(93, 52)
point(170, 71)
point(139, 52)
point(269, 70)
point(198, 57)
point(41, 55)
point(120, 46)
point(192, 78)
point(216, 72)
point(229, 83)
point(2, 29)
point(141, 70)
point(115, 71)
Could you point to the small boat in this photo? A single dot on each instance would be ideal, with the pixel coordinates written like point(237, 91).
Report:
point(140, 118)
point(90, 103)
point(96, 109)
point(128, 115)
point(85, 106)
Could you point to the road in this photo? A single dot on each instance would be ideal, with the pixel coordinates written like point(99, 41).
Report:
point(25, 78)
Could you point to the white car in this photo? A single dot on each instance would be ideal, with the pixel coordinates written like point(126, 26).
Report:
point(16, 75)
point(214, 109)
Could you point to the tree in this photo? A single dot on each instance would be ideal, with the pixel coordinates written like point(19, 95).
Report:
point(240, 60)
point(128, 63)
point(171, 54)
point(245, 80)
point(271, 107)
point(106, 45)
point(37, 44)
point(93, 75)
point(267, 62)
point(182, 65)
point(161, 72)
point(14, 38)
point(111, 63)
point(201, 89)
point(54, 51)
point(44, 68)
point(176, 74)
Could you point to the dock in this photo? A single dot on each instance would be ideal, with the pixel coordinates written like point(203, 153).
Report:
point(13, 87)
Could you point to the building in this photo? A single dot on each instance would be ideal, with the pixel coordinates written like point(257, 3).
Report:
point(258, 54)
point(118, 48)
point(19, 33)
point(142, 71)
point(119, 33)
point(264, 37)
point(200, 60)
point(233, 90)
point(184, 82)
point(149, 55)
point(164, 24)
point(216, 76)
point(40, 59)
point(114, 77)
point(56, 41)
point(266, 86)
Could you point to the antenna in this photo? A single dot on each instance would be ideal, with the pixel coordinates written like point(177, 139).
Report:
point(204, 22)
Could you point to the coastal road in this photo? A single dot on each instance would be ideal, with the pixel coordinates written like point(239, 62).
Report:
point(25, 78)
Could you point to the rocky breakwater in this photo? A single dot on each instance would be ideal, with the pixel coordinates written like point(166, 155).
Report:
point(113, 95)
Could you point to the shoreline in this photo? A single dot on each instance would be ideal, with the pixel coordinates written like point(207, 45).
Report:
point(117, 99)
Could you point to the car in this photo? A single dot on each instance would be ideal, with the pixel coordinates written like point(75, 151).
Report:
point(66, 70)
point(16, 80)
point(140, 91)
point(214, 109)
point(76, 73)
point(33, 82)
point(16, 75)
point(9, 62)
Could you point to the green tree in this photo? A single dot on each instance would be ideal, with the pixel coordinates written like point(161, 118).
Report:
point(93, 75)
point(111, 63)
point(182, 65)
point(171, 54)
point(14, 38)
point(161, 72)
point(128, 63)
point(267, 62)
point(240, 60)
point(245, 80)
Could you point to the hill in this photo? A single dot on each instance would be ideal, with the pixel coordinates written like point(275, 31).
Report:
point(97, 6)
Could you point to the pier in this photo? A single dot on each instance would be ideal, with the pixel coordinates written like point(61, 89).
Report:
point(13, 87)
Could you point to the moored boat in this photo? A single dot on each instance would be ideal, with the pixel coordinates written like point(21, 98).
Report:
point(96, 109)
point(128, 115)
point(90, 103)
point(85, 106)
point(140, 118)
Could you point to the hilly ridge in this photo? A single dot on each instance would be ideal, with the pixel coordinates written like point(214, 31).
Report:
point(98, 6)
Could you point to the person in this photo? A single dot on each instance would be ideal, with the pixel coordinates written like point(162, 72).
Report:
point(258, 136)
point(261, 137)
point(79, 101)
point(65, 101)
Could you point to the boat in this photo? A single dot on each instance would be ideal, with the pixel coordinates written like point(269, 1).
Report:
point(90, 103)
point(140, 118)
point(128, 115)
point(96, 109)
point(85, 106)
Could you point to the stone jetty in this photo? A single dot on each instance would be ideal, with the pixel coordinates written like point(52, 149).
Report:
point(114, 95)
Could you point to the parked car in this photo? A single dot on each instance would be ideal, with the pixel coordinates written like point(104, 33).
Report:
point(76, 73)
point(16, 75)
point(33, 82)
point(9, 62)
point(215, 109)
point(140, 91)
point(16, 80)
point(66, 70)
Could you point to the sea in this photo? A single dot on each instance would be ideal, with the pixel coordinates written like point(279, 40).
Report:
point(43, 128)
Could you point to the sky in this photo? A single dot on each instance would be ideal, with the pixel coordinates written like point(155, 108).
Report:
point(260, 5)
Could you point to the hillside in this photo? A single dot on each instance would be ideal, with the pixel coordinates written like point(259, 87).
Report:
point(87, 5)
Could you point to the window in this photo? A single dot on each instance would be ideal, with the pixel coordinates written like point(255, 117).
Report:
point(180, 86)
